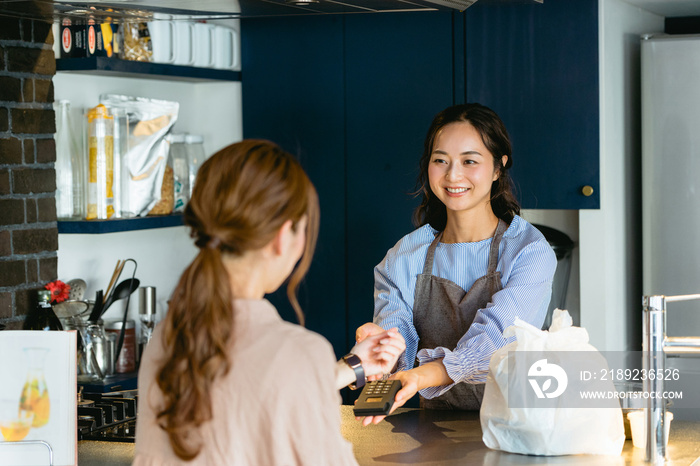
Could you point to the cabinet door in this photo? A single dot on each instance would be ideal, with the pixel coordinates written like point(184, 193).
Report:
point(537, 67)
point(293, 95)
point(399, 74)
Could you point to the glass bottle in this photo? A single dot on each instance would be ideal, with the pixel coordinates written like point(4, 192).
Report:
point(181, 171)
point(100, 193)
point(35, 393)
point(195, 156)
point(42, 317)
point(70, 173)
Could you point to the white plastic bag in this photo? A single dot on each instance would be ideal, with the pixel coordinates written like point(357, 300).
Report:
point(565, 428)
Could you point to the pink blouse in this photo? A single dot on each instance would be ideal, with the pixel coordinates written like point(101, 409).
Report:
point(278, 404)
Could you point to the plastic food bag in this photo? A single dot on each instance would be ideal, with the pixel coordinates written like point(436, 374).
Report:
point(147, 177)
point(137, 42)
point(512, 416)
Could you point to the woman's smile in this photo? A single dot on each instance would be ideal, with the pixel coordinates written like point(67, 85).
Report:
point(454, 192)
point(461, 169)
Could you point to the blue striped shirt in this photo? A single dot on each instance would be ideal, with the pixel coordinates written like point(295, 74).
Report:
point(526, 262)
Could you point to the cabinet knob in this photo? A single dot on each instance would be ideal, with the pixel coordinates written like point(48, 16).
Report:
point(587, 190)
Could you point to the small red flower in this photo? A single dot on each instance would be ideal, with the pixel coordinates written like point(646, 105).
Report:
point(59, 291)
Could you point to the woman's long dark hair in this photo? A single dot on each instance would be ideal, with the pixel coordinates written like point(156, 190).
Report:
point(495, 137)
point(242, 197)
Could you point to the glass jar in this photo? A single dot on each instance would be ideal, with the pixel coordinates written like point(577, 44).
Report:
point(181, 171)
point(194, 145)
point(100, 193)
point(125, 362)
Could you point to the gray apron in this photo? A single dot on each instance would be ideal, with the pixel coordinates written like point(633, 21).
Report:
point(443, 312)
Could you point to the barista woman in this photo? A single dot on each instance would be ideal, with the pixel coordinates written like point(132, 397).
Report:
point(454, 284)
point(225, 380)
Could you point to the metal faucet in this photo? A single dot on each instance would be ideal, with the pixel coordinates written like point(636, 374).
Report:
point(656, 346)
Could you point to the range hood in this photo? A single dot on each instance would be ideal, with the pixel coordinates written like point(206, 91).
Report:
point(215, 9)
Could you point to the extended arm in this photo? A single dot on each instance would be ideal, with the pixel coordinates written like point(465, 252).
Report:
point(392, 309)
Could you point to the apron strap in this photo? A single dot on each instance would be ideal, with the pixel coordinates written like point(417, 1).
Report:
point(495, 243)
point(429, 258)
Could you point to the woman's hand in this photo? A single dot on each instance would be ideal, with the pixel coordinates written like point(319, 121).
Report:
point(431, 374)
point(366, 330)
point(379, 352)
point(409, 387)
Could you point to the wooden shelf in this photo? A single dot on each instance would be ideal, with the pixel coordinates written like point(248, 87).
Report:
point(117, 225)
point(145, 70)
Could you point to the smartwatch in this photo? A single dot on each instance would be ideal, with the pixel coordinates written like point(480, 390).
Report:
point(354, 362)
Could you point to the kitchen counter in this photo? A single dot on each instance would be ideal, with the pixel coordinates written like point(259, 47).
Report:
point(429, 437)
point(423, 437)
point(95, 453)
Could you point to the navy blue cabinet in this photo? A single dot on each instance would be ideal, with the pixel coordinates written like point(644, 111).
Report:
point(536, 65)
point(293, 94)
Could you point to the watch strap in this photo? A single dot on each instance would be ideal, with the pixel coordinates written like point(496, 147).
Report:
point(355, 364)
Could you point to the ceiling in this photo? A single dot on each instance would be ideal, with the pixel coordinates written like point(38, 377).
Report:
point(205, 9)
point(138, 10)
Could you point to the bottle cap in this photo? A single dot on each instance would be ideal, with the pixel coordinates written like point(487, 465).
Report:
point(99, 112)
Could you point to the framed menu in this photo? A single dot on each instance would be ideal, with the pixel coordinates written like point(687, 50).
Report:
point(38, 412)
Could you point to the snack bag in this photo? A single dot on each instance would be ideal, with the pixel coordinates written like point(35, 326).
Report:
point(532, 400)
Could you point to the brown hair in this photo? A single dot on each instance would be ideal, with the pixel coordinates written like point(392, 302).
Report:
point(495, 136)
point(243, 195)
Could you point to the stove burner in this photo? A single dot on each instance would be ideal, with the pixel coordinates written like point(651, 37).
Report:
point(107, 416)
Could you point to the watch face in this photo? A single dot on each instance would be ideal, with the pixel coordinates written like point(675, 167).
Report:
point(352, 360)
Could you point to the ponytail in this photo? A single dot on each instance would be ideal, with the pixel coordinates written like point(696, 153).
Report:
point(198, 327)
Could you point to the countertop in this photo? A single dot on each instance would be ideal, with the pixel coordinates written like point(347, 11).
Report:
point(425, 437)
point(429, 437)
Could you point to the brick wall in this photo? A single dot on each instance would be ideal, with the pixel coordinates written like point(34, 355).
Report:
point(28, 234)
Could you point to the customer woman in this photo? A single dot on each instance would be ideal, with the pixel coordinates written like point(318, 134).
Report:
point(224, 379)
point(454, 284)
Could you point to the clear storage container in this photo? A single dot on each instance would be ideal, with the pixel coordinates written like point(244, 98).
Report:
point(181, 171)
point(194, 144)
point(100, 194)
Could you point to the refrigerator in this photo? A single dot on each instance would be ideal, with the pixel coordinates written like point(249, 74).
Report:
point(671, 193)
